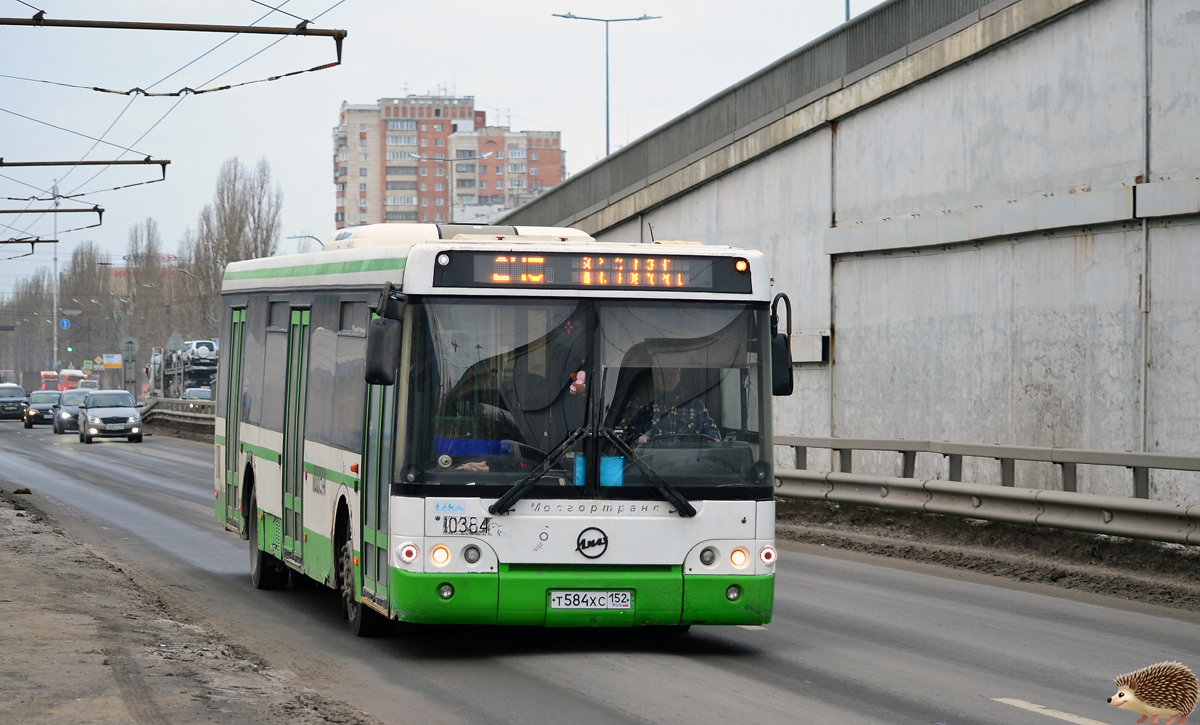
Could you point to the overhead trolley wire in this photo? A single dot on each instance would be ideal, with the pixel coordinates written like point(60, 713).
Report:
point(67, 130)
point(300, 29)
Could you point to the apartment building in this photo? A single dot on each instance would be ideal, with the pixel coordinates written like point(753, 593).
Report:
point(435, 159)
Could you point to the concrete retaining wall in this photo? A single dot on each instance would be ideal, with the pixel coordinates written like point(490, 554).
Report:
point(974, 243)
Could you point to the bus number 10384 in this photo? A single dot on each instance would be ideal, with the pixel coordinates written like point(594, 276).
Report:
point(470, 526)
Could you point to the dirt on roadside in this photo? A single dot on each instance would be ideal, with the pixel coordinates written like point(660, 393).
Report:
point(82, 642)
point(1143, 571)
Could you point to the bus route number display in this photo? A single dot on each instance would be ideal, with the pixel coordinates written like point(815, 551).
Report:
point(593, 271)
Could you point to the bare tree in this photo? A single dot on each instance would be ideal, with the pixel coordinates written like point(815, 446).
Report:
point(146, 285)
point(87, 286)
point(242, 222)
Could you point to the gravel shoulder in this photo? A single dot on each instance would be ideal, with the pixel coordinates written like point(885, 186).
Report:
point(1165, 575)
point(83, 642)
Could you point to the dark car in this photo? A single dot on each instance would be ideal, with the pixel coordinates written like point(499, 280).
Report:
point(109, 413)
point(42, 404)
point(67, 417)
point(12, 401)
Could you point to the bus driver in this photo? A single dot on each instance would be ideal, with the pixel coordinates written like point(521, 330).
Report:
point(672, 414)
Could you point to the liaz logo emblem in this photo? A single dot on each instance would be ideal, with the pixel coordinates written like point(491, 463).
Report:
point(592, 543)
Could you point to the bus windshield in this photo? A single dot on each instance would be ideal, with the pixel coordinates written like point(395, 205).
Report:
point(672, 391)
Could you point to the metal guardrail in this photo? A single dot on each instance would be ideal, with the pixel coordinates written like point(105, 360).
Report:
point(1131, 517)
point(1066, 458)
point(1067, 509)
point(191, 412)
point(1112, 515)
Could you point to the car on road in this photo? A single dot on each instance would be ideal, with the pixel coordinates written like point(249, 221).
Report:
point(42, 407)
point(12, 402)
point(197, 394)
point(109, 414)
point(67, 416)
point(89, 385)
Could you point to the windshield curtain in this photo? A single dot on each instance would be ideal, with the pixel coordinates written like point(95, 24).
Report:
point(491, 388)
point(110, 400)
point(496, 386)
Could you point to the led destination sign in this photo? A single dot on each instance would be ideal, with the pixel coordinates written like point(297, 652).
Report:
point(592, 271)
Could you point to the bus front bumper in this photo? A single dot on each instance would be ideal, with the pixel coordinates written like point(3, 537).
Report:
point(521, 595)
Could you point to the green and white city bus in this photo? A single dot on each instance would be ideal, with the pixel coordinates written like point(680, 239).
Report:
point(501, 425)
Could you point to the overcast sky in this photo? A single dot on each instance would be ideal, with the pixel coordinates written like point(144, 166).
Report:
point(522, 65)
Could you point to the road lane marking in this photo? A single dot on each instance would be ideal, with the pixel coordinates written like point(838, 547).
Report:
point(751, 626)
point(1078, 720)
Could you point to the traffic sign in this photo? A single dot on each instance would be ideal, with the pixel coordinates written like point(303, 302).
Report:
point(130, 346)
point(64, 323)
point(87, 364)
point(72, 312)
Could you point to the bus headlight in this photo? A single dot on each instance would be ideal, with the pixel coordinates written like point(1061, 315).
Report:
point(767, 555)
point(471, 554)
point(445, 591)
point(733, 593)
point(440, 555)
point(739, 557)
point(708, 556)
point(408, 553)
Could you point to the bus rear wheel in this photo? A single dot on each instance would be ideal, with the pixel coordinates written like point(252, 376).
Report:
point(266, 572)
point(364, 621)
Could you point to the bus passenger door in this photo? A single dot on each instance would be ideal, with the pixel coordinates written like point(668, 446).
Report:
point(376, 487)
point(293, 437)
point(233, 413)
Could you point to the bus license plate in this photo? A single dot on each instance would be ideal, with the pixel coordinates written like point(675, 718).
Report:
point(590, 600)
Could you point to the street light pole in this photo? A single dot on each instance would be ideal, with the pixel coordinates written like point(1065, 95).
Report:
point(56, 285)
point(606, 21)
point(300, 236)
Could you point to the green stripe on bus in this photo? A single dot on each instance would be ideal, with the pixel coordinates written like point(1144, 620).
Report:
point(308, 270)
point(265, 453)
point(219, 440)
point(331, 476)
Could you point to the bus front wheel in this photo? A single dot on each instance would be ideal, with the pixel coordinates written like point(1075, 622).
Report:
point(364, 621)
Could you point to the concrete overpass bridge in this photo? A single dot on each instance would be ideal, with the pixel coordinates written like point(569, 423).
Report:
point(987, 215)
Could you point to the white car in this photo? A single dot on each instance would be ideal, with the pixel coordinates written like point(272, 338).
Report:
point(199, 352)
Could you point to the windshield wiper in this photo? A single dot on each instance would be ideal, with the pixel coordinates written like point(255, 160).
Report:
point(666, 490)
point(520, 488)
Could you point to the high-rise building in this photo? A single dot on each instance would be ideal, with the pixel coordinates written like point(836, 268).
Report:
point(435, 159)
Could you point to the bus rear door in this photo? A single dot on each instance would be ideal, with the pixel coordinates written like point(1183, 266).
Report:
point(293, 437)
point(233, 409)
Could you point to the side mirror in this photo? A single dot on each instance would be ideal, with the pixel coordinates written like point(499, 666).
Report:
point(781, 349)
point(383, 351)
point(391, 303)
point(141, 405)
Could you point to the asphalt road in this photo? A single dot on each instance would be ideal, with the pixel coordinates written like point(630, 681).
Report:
point(854, 638)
